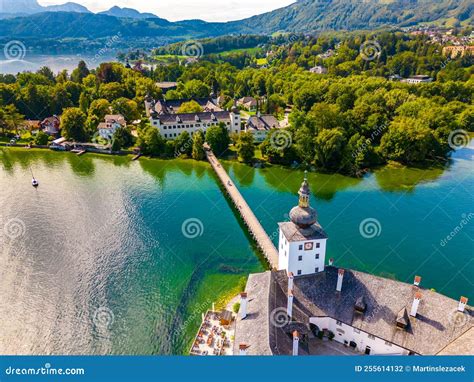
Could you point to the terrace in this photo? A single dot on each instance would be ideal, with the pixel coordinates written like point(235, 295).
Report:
point(216, 335)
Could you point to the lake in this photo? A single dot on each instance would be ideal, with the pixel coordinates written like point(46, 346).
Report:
point(57, 63)
point(110, 256)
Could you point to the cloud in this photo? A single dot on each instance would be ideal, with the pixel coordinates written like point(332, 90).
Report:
point(209, 10)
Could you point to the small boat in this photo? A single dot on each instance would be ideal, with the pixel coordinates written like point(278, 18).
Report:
point(34, 182)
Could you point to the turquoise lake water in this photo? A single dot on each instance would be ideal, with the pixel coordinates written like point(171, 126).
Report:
point(110, 256)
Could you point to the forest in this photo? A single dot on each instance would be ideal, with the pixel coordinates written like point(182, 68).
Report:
point(348, 120)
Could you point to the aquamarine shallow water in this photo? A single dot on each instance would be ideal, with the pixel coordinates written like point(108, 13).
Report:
point(416, 210)
point(101, 265)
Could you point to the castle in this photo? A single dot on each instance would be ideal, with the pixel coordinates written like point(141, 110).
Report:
point(308, 307)
point(166, 117)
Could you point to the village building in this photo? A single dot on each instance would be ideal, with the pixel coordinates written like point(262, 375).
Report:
point(167, 86)
point(112, 122)
point(260, 125)
point(454, 51)
point(357, 313)
point(51, 125)
point(418, 79)
point(248, 103)
point(319, 70)
point(165, 116)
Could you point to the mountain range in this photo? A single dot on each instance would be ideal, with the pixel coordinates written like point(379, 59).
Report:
point(72, 20)
point(14, 8)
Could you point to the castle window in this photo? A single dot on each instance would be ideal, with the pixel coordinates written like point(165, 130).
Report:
point(316, 270)
point(339, 323)
point(299, 272)
point(301, 247)
point(318, 245)
point(300, 258)
point(317, 256)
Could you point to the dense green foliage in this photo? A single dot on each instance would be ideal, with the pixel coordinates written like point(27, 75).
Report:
point(218, 139)
point(348, 120)
point(245, 147)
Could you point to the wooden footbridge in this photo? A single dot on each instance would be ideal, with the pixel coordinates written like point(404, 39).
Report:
point(249, 218)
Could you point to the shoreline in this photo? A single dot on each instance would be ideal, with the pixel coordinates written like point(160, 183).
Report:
point(234, 160)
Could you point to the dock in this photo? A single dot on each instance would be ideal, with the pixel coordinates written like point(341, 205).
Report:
point(253, 225)
point(78, 152)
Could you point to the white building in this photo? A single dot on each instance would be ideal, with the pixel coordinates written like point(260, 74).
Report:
point(319, 70)
point(260, 125)
point(171, 124)
point(288, 309)
point(418, 79)
point(302, 246)
point(112, 123)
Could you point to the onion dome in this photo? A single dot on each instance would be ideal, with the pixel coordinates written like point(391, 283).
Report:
point(304, 215)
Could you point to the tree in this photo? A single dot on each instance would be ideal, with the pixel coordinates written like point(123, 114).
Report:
point(10, 118)
point(409, 141)
point(41, 138)
point(99, 108)
point(72, 124)
point(195, 88)
point(466, 119)
point(190, 107)
point(111, 91)
point(329, 145)
point(126, 107)
point(123, 137)
point(80, 72)
point(151, 142)
point(245, 146)
point(183, 145)
point(198, 152)
point(217, 137)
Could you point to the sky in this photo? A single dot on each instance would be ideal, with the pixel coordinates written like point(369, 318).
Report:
point(209, 10)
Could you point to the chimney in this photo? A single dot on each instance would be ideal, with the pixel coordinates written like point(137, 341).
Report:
point(416, 302)
point(462, 304)
point(340, 277)
point(243, 305)
point(243, 349)
point(291, 278)
point(331, 262)
point(296, 340)
point(289, 308)
point(417, 281)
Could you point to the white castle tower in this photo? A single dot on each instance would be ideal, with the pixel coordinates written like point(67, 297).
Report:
point(302, 246)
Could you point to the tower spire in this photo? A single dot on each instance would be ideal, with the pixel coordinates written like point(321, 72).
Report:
point(304, 192)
